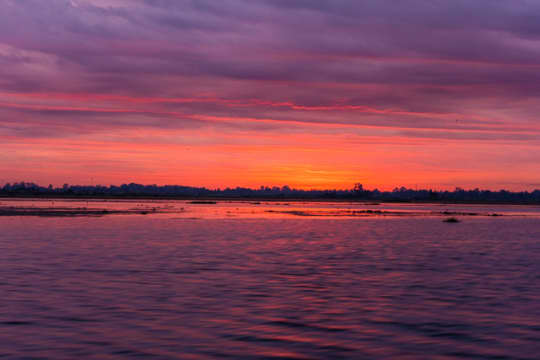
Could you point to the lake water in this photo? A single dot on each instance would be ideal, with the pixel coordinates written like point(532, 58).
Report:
point(241, 280)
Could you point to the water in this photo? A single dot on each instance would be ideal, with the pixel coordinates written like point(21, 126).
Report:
point(233, 281)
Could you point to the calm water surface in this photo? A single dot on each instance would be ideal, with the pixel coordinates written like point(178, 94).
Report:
point(234, 281)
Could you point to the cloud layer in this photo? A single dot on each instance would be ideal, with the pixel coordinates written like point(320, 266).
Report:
point(272, 91)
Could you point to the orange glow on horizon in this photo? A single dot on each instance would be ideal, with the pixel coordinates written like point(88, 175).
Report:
point(304, 161)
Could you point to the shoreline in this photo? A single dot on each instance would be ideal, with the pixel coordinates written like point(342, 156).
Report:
point(218, 199)
point(98, 212)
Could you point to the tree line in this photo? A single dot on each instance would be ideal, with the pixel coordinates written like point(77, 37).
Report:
point(401, 194)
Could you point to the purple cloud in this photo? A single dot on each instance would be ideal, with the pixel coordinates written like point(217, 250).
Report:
point(443, 70)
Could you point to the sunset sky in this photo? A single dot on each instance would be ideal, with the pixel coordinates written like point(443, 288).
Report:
point(305, 93)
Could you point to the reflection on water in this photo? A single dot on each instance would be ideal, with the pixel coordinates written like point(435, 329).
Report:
point(203, 285)
point(204, 209)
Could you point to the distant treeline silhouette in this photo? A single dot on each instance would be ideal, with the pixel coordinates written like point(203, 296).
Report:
point(402, 194)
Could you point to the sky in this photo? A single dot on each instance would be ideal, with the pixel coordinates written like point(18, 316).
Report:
point(305, 93)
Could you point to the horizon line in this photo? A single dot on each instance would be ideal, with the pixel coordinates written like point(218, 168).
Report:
point(285, 187)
